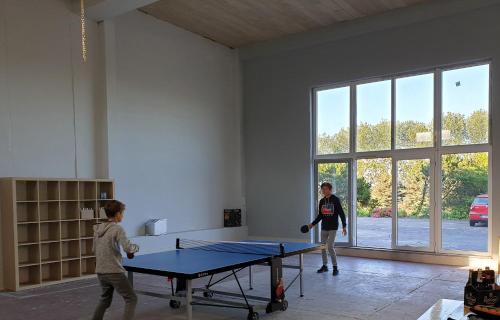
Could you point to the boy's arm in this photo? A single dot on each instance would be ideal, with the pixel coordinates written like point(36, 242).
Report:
point(125, 243)
point(319, 217)
point(340, 210)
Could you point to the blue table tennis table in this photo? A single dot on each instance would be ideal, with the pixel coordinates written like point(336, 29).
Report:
point(194, 259)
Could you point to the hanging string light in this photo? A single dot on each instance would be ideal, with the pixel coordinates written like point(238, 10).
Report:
point(83, 30)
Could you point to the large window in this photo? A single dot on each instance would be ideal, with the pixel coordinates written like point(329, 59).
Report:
point(414, 111)
point(413, 203)
point(465, 105)
point(374, 116)
point(337, 173)
point(374, 202)
point(414, 150)
point(333, 121)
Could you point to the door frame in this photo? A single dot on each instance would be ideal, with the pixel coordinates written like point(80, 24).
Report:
point(432, 201)
point(351, 205)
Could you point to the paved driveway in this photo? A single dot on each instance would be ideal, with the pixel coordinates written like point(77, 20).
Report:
point(457, 235)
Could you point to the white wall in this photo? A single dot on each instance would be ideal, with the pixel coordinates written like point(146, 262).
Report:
point(45, 90)
point(173, 122)
point(277, 97)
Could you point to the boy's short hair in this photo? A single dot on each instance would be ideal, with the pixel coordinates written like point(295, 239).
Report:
point(113, 207)
point(326, 184)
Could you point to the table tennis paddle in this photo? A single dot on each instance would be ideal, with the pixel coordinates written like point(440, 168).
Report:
point(130, 255)
point(304, 228)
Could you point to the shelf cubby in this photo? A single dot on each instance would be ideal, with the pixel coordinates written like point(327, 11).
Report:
point(27, 212)
point(50, 231)
point(89, 205)
point(70, 250)
point(29, 276)
point(87, 228)
point(50, 252)
point(70, 211)
point(51, 272)
point(105, 188)
point(26, 190)
point(71, 269)
point(27, 233)
point(70, 230)
point(88, 266)
point(28, 255)
point(68, 190)
point(49, 211)
point(48, 190)
point(88, 190)
point(86, 248)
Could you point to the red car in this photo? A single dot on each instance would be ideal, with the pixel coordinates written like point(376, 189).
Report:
point(479, 210)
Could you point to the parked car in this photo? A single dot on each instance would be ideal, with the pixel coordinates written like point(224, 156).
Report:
point(479, 210)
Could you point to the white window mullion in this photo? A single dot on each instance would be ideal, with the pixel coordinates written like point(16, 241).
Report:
point(436, 178)
point(394, 170)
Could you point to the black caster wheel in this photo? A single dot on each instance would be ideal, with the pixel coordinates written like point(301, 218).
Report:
point(269, 308)
point(174, 304)
point(208, 294)
point(284, 305)
point(253, 316)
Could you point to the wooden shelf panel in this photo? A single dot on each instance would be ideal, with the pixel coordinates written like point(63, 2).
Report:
point(70, 230)
point(89, 205)
point(49, 211)
point(70, 210)
point(86, 247)
point(50, 231)
point(27, 233)
point(87, 189)
point(51, 272)
point(70, 249)
point(88, 266)
point(29, 276)
point(28, 255)
point(105, 190)
point(50, 252)
point(26, 190)
point(68, 190)
point(71, 269)
point(27, 211)
point(48, 190)
point(87, 228)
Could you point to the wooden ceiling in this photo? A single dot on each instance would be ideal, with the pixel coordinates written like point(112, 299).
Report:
point(238, 23)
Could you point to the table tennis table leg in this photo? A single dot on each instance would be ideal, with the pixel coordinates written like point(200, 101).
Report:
point(131, 278)
point(189, 299)
point(301, 270)
point(250, 281)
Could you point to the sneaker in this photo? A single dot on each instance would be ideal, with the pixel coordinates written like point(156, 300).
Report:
point(335, 271)
point(323, 269)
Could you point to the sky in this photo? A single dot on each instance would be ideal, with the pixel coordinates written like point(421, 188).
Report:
point(464, 91)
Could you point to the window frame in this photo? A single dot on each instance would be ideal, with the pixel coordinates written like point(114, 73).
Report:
point(434, 153)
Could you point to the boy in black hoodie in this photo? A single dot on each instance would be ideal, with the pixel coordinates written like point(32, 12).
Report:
point(330, 209)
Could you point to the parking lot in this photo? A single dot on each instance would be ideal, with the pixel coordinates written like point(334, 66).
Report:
point(456, 234)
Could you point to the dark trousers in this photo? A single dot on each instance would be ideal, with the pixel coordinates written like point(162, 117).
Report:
point(109, 283)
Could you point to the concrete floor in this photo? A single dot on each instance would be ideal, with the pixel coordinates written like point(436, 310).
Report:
point(365, 289)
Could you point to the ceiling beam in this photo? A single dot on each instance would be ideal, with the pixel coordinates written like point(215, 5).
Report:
point(107, 9)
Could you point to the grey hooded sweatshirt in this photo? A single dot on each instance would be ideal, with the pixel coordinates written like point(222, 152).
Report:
point(108, 237)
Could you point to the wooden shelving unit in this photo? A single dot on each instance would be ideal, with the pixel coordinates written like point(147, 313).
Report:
point(45, 238)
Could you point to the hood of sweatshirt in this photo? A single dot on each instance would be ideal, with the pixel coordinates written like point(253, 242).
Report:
point(100, 229)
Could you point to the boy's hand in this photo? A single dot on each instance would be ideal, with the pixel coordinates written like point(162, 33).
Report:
point(344, 231)
point(130, 255)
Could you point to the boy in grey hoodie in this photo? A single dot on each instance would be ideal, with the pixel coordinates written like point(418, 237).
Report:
point(108, 238)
